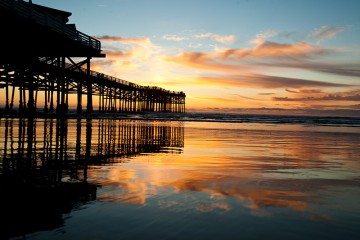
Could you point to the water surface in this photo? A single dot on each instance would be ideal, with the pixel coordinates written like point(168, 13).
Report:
point(144, 179)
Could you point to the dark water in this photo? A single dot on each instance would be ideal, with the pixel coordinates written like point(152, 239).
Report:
point(186, 179)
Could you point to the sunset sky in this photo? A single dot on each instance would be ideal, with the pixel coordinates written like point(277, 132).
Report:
point(231, 55)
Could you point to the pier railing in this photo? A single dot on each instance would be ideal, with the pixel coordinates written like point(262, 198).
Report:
point(27, 10)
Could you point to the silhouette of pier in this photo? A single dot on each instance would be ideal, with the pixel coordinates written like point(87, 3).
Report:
point(44, 59)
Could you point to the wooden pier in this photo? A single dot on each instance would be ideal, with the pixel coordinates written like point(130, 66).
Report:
point(43, 60)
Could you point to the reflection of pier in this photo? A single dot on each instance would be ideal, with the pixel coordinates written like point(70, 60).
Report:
point(41, 72)
point(44, 163)
point(68, 146)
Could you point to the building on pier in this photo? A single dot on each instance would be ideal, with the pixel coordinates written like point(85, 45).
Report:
point(37, 65)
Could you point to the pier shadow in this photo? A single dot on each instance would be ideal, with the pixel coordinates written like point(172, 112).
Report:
point(44, 164)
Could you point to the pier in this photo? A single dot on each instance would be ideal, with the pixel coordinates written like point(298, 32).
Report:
point(44, 61)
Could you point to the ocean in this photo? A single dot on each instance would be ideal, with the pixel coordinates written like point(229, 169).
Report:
point(180, 176)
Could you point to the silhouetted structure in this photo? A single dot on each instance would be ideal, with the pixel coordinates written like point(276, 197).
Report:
point(38, 54)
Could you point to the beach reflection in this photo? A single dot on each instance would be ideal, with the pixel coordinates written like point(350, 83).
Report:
point(135, 176)
point(265, 170)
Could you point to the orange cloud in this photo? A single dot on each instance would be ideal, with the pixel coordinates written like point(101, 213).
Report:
point(233, 100)
point(205, 61)
point(264, 50)
point(320, 102)
point(100, 64)
point(266, 94)
point(275, 50)
point(304, 91)
point(118, 54)
point(266, 54)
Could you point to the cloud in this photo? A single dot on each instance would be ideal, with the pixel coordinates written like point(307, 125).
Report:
point(112, 66)
point(304, 91)
point(262, 37)
point(265, 81)
point(329, 97)
point(234, 98)
point(299, 55)
point(102, 63)
point(216, 37)
point(200, 60)
point(326, 32)
point(291, 91)
point(118, 54)
point(342, 69)
point(174, 37)
point(248, 98)
point(127, 53)
point(310, 91)
point(275, 50)
point(234, 59)
point(125, 40)
point(216, 99)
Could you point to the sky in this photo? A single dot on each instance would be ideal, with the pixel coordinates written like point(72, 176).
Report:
point(250, 56)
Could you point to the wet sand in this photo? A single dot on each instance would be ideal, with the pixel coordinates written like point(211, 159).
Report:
point(194, 180)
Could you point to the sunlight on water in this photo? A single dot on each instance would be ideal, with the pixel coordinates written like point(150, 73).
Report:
point(180, 180)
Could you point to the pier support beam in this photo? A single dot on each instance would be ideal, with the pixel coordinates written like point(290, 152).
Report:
point(79, 97)
point(89, 107)
point(7, 108)
point(31, 102)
